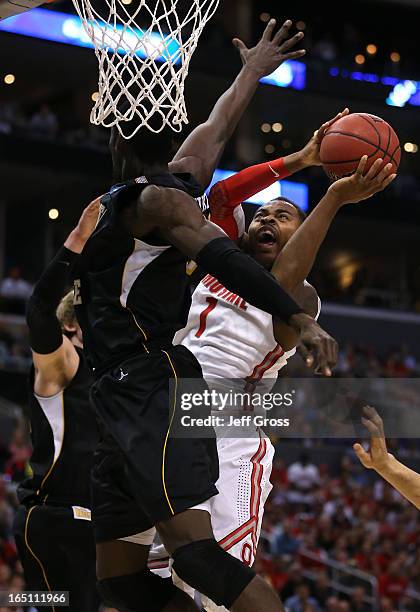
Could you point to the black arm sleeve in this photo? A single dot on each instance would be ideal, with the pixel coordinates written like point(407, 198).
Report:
point(243, 275)
point(45, 334)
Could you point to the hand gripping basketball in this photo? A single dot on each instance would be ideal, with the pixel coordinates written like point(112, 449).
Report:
point(360, 186)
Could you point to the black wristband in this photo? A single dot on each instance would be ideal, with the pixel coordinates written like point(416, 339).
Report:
point(243, 275)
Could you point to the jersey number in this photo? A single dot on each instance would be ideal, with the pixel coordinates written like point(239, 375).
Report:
point(212, 303)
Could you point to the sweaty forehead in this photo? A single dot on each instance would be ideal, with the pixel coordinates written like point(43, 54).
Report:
point(278, 206)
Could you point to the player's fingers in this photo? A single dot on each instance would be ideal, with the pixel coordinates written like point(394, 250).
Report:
point(374, 169)
point(306, 355)
point(293, 55)
point(337, 117)
point(329, 123)
point(283, 33)
point(362, 165)
point(321, 360)
point(388, 181)
point(291, 42)
point(332, 352)
point(371, 427)
point(268, 32)
point(384, 173)
point(374, 417)
point(239, 44)
point(362, 455)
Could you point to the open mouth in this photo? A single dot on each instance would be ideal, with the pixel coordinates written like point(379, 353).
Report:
point(266, 236)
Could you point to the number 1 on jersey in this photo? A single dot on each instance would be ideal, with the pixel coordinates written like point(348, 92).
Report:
point(212, 303)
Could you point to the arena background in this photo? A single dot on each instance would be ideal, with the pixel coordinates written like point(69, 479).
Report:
point(338, 538)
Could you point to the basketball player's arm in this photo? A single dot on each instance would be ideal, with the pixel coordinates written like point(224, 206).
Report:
point(54, 355)
point(226, 196)
point(175, 217)
point(307, 298)
point(201, 152)
point(295, 261)
point(402, 478)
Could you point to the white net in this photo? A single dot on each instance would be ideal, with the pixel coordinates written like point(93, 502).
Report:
point(144, 48)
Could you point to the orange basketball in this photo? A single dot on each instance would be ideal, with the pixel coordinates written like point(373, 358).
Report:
point(355, 135)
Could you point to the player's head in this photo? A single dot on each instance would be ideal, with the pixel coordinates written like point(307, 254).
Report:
point(130, 158)
point(66, 314)
point(272, 226)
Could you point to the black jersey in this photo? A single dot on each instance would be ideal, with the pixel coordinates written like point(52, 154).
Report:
point(131, 292)
point(64, 437)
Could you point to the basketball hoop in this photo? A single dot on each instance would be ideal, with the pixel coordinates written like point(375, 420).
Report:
point(144, 50)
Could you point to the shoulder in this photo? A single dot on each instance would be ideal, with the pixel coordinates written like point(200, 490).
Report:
point(55, 371)
point(191, 165)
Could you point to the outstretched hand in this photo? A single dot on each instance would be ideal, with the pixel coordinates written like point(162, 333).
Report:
point(272, 50)
point(377, 457)
point(360, 186)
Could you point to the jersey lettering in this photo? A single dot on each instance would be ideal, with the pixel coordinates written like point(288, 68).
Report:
point(214, 286)
point(77, 299)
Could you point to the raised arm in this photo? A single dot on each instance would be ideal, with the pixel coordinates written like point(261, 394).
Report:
point(295, 261)
point(225, 196)
point(202, 150)
point(177, 219)
point(55, 358)
point(402, 478)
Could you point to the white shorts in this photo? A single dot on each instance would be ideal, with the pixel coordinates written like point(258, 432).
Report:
point(237, 512)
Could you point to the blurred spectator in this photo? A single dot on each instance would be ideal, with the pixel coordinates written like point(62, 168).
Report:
point(44, 123)
point(14, 286)
point(303, 477)
point(321, 590)
point(286, 543)
point(20, 452)
point(302, 601)
point(294, 580)
point(392, 583)
point(357, 600)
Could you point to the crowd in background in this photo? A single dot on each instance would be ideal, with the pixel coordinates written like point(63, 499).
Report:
point(320, 510)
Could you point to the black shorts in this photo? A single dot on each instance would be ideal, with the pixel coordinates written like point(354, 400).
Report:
point(57, 552)
point(141, 474)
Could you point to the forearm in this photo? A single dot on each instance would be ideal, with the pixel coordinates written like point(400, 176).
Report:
point(296, 259)
point(403, 479)
point(242, 275)
point(183, 226)
point(229, 109)
point(208, 141)
point(45, 334)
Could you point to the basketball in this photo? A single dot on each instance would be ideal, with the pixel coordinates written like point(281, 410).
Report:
point(353, 136)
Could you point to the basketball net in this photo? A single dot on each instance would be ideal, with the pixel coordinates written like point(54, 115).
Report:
point(144, 50)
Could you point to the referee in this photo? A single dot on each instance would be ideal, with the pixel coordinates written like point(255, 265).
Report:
point(53, 529)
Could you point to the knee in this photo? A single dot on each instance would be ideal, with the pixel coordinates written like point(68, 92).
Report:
point(205, 566)
point(140, 592)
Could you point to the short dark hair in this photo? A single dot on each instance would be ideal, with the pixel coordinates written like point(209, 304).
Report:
point(301, 213)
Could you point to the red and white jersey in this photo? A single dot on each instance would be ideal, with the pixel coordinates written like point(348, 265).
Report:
point(229, 337)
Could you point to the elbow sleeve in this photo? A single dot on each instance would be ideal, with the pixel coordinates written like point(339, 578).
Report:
point(45, 335)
